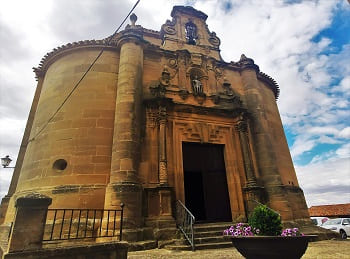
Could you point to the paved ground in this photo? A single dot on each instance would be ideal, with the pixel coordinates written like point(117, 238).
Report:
point(333, 249)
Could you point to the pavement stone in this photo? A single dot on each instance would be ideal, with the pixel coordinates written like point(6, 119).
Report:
point(326, 249)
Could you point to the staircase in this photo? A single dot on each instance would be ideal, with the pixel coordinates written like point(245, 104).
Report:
point(206, 236)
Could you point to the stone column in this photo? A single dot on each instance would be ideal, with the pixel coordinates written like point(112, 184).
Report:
point(124, 186)
point(163, 172)
point(266, 158)
point(29, 224)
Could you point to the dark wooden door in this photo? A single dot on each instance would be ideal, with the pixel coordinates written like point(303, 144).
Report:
point(206, 192)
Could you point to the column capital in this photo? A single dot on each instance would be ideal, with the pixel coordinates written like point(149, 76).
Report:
point(242, 125)
point(134, 35)
point(162, 114)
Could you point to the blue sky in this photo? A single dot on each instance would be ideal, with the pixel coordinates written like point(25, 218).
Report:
point(338, 32)
point(303, 45)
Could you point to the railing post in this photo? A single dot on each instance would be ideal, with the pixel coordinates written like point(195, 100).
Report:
point(121, 221)
point(29, 224)
point(185, 221)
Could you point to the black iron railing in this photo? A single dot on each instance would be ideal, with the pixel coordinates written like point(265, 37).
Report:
point(185, 221)
point(65, 224)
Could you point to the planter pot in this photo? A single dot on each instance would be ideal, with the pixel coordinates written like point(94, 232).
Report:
point(271, 246)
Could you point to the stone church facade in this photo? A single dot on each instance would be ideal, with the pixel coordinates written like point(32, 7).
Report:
point(159, 118)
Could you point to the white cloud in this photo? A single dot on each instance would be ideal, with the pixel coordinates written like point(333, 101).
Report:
point(344, 152)
point(345, 133)
point(301, 146)
point(326, 180)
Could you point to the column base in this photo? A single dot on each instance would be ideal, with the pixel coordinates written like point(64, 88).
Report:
point(254, 195)
point(278, 201)
point(130, 194)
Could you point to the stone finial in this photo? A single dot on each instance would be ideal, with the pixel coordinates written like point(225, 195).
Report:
point(243, 57)
point(245, 62)
point(133, 19)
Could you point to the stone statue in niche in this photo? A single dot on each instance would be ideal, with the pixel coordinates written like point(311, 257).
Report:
point(197, 86)
point(165, 78)
point(191, 33)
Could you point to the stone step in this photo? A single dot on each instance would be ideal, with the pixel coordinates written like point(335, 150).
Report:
point(203, 240)
point(211, 227)
point(209, 233)
point(199, 246)
point(206, 236)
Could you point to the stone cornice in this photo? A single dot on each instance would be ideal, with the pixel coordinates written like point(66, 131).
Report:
point(189, 10)
point(51, 56)
point(109, 42)
point(271, 83)
point(233, 112)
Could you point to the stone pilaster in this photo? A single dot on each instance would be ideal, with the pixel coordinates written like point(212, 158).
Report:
point(266, 158)
point(242, 128)
point(253, 192)
point(124, 186)
point(163, 172)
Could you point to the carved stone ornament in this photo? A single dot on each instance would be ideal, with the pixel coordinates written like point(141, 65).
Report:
point(157, 89)
point(241, 126)
point(183, 94)
point(165, 78)
point(169, 27)
point(218, 72)
point(200, 98)
point(216, 99)
point(214, 40)
point(227, 87)
point(162, 114)
point(172, 63)
point(245, 63)
point(196, 59)
point(169, 30)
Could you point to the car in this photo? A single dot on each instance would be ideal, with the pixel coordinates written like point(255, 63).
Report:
point(318, 221)
point(340, 225)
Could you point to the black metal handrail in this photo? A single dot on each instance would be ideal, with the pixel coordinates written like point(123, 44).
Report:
point(66, 224)
point(185, 221)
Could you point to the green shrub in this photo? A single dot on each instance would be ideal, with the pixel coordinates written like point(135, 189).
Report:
point(267, 221)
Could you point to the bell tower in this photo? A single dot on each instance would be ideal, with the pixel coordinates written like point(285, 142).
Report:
point(189, 31)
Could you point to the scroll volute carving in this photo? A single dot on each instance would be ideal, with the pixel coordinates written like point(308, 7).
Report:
point(168, 28)
point(214, 40)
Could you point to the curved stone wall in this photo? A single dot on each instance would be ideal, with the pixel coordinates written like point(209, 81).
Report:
point(71, 157)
